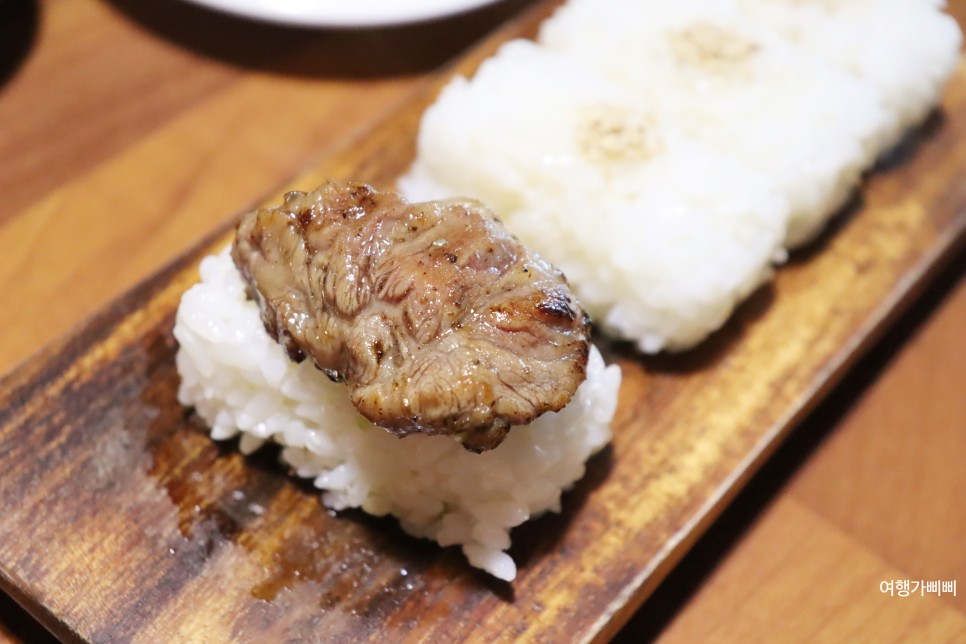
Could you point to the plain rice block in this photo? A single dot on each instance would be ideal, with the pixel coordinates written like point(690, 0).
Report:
point(905, 49)
point(735, 84)
point(659, 235)
point(241, 381)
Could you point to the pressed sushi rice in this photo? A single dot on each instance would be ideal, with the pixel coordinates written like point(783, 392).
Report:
point(241, 382)
point(659, 235)
point(905, 50)
point(734, 84)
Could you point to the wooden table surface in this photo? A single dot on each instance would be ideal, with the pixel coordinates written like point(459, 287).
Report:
point(130, 128)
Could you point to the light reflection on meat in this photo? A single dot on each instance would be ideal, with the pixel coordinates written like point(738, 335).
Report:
point(436, 318)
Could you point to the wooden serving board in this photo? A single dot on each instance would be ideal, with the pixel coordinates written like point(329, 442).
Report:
point(121, 520)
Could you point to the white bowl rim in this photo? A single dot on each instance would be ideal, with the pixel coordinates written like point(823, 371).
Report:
point(343, 13)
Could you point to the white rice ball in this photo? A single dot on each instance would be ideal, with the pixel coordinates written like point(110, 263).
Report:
point(241, 381)
point(659, 235)
point(734, 84)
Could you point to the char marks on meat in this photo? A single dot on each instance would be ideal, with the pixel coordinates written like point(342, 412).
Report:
point(436, 318)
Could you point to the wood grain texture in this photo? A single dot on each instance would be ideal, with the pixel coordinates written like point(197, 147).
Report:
point(867, 489)
point(142, 528)
point(913, 456)
point(795, 543)
point(117, 182)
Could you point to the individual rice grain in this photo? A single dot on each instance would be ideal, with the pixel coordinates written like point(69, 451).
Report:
point(241, 383)
point(659, 235)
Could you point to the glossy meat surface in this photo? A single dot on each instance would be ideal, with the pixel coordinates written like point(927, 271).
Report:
point(435, 317)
